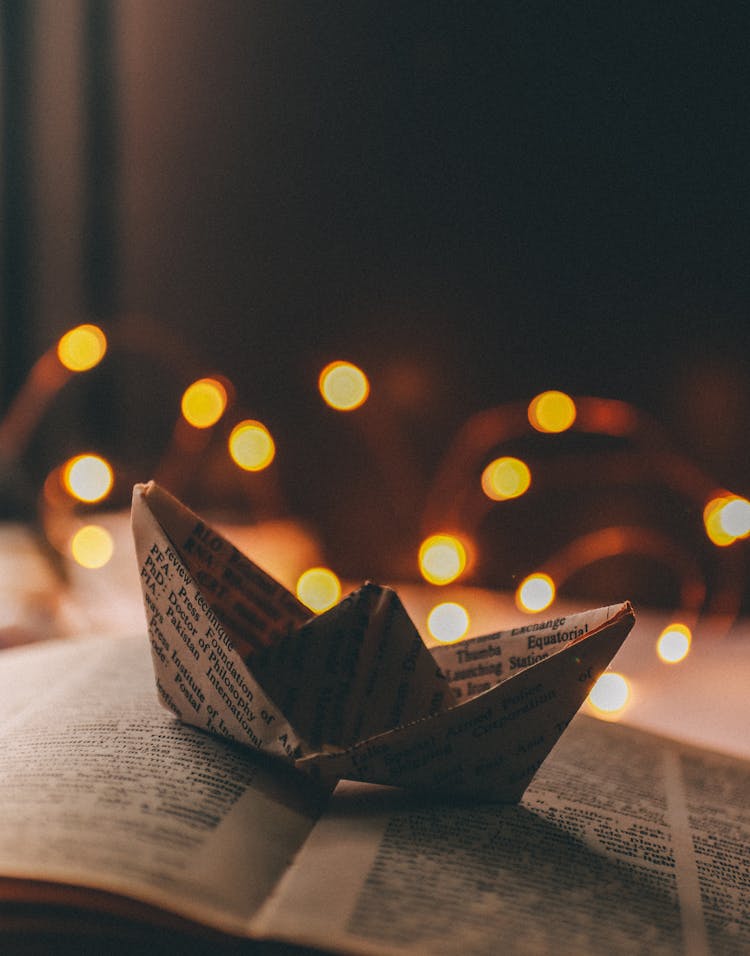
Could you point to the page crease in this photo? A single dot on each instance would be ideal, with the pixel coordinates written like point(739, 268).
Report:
point(688, 887)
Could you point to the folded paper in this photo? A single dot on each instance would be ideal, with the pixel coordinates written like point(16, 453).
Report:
point(354, 692)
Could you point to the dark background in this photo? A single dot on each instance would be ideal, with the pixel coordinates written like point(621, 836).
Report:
point(473, 201)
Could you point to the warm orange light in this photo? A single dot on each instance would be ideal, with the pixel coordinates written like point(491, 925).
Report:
point(343, 386)
point(204, 402)
point(552, 412)
point(712, 522)
point(727, 519)
point(87, 478)
point(82, 348)
point(610, 694)
point(535, 593)
point(505, 478)
point(735, 517)
point(674, 643)
point(318, 588)
point(442, 558)
point(92, 546)
point(448, 622)
point(251, 446)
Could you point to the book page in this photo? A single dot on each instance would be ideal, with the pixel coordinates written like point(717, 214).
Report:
point(100, 787)
point(624, 843)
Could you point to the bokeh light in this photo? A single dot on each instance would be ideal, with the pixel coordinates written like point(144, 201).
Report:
point(251, 446)
point(442, 558)
point(712, 522)
point(610, 694)
point(343, 386)
point(505, 478)
point(318, 588)
point(734, 517)
point(552, 412)
point(535, 593)
point(87, 478)
point(448, 622)
point(204, 402)
point(727, 519)
point(674, 643)
point(82, 348)
point(92, 546)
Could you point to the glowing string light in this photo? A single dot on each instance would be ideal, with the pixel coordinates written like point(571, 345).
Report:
point(87, 478)
point(251, 446)
point(610, 694)
point(674, 642)
point(204, 402)
point(727, 519)
point(552, 412)
point(712, 522)
point(318, 588)
point(343, 386)
point(448, 622)
point(92, 546)
point(734, 517)
point(506, 478)
point(442, 558)
point(535, 593)
point(82, 348)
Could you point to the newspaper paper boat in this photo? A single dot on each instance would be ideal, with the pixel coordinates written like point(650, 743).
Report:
point(353, 692)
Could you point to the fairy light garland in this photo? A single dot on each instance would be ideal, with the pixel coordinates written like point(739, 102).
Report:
point(444, 557)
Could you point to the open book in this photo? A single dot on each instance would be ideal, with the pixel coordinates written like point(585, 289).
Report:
point(354, 693)
point(623, 843)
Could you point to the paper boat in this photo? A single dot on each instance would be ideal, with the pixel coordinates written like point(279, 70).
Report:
point(353, 692)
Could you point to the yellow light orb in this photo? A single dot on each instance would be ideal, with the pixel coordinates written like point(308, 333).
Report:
point(505, 478)
point(535, 593)
point(251, 446)
point(448, 622)
point(610, 694)
point(82, 348)
point(87, 478)
point(92, 546)
point(318, 588)
point(727, 519)
point(734, 517)
point(713, 524)
point(442, 558)
point(674, 643)
point(343, 386)
point(552, 412)
point(204, 402)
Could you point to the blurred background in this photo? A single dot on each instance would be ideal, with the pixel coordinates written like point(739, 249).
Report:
point(472, 203)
